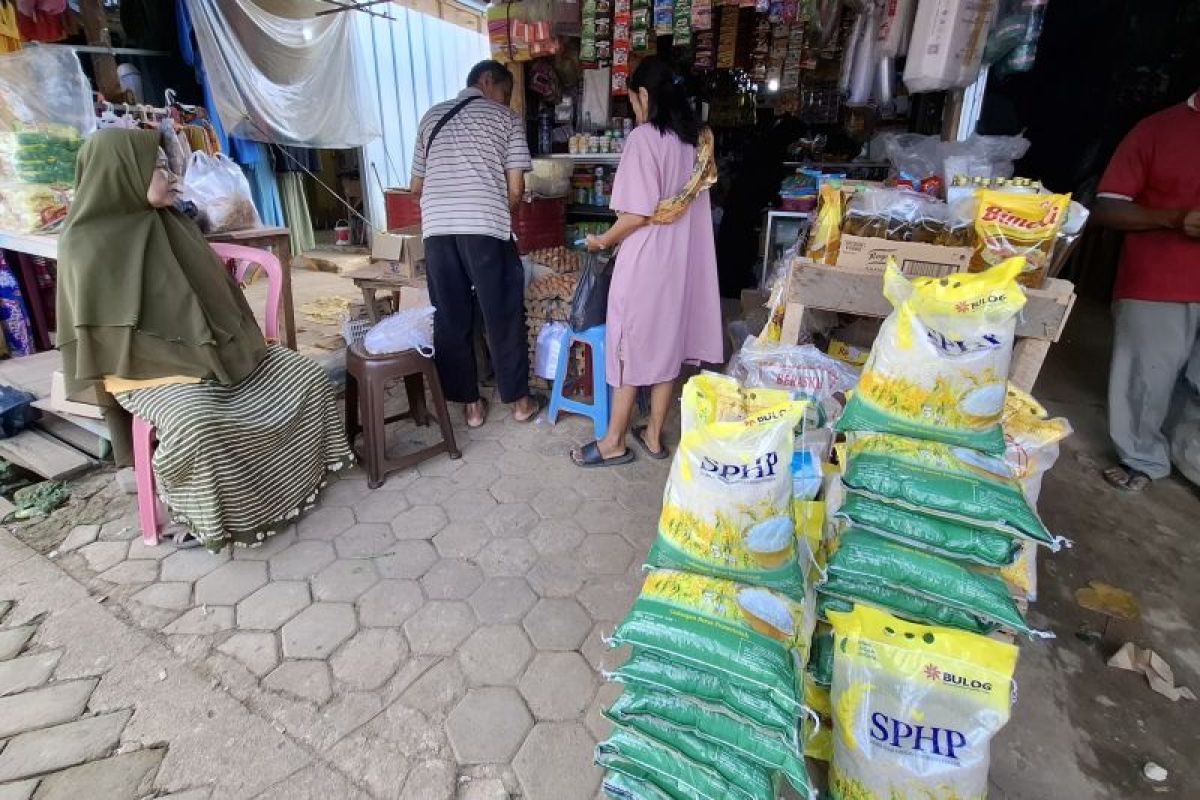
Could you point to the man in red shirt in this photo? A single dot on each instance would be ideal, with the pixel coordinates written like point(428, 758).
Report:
point(1151, 190)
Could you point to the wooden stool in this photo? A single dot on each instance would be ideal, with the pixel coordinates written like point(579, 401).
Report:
point(367, 377)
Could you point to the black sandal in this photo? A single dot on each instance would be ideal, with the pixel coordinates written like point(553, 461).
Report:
point(1126, 478)
point(590, 457)
point(639, 436)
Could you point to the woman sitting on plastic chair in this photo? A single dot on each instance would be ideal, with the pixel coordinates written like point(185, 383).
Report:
point(663, 305)
point(148, 315)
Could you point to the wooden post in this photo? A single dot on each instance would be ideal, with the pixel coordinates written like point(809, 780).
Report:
point(518, 95)
point(95, 27)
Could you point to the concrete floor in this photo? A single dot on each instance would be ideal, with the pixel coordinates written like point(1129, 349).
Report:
point(438, 638)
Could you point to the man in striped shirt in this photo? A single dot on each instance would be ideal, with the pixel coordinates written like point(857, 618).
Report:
point(469, 170)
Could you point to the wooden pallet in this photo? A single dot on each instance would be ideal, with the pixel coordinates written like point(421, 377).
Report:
point(818, 287)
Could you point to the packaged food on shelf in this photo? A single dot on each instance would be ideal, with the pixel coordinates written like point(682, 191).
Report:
point(1009, 225)
point(939, 367)
point(915, 708)
point(33, 207)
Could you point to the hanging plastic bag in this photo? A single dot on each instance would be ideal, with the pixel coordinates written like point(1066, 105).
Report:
point(915, 708)
point(589, 306)
point(549, 348)
point(220, 190)
point(410, 329)
point(42, 86)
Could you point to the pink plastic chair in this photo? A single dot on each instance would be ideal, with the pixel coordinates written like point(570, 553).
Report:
point(143, 432)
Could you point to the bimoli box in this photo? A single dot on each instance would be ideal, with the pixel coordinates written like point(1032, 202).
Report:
point(913, 258)
point(401, 249)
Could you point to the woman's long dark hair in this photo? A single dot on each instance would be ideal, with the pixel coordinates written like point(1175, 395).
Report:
point(669, 111)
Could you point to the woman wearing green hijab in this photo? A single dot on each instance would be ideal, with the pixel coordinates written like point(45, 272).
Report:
point(148, 316)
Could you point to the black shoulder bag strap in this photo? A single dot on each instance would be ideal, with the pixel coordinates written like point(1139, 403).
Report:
point(449, 115)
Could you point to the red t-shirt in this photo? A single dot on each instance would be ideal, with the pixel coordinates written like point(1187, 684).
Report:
point(1158, 166)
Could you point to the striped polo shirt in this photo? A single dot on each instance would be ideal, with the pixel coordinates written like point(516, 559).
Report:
point(465, 190)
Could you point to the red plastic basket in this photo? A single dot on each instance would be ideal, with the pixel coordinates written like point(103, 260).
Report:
point(540, 223)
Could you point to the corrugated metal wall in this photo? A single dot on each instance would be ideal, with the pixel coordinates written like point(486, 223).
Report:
point(418, 60)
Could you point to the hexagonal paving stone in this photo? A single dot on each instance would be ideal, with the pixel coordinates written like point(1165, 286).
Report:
point(512, 519)
point(461, 539)
point(201, 621)
point(475, 474)
point(439, 627)
point(388, 603)
point(380, 506)
point(495, 655)
point(554, 536)
point(506, 557)
point(419, 522)
point(326, 522)
point(188, 565)
point(482, 452)
point(131, 572)
point(438, 690)
point(231, 582)
point(306, 680)
point(301, 561)
point(557, 624)
point(555, 763)
point(408, 559)
point(468, 504)
point(605, 554)
point(272, 605)
point(599, 654)
point(267, 548)
point(503, 600)
point(515, 488)
point(369, 659)
point(318, 630)
point(600, 516)
point(488, 725)
point(609, 597)
point(175, 596)
point(451, 579)
point(138, 549)
point(556, 503)
point(558, 686)
point(254, 649)
point(365, 540)
point(429, 490)
point(345, 492)
point(597, 724)
point(559, 575)
point(523, 464)
point(344, 580)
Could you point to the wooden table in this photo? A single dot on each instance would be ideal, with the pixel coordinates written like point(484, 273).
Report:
point(276, 239)
point(279, 240)
point(814, 286)
point(378, 277)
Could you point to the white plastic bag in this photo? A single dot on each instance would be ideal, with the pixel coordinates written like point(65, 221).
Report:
point(221, 192)
point(549, 347)
point(803, 370)
point(410, 329)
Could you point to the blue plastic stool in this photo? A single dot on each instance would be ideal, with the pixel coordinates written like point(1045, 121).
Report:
point(601, 393)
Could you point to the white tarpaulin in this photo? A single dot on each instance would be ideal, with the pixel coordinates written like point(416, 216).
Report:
point(281, 75)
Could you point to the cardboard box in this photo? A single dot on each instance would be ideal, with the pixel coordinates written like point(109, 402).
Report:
point(913, 258)
point(402, 249)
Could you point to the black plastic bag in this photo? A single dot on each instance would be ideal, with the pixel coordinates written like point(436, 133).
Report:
point(15, 411)
point(589, 306)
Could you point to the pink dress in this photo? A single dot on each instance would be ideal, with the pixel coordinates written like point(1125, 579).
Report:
point(664, 309)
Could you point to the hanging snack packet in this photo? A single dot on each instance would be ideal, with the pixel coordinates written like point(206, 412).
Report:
point(915, 708)
point(1009, 224)
point(748, 635)
point(943, 537)
point(651, 671)
point(824, 241)
point(680, 761)
point(727, 507)
point(952, 483)
point(747, 742)
point(939, 366)
point(907, 581)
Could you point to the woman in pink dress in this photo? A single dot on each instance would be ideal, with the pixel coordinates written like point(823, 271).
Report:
point(664, 309)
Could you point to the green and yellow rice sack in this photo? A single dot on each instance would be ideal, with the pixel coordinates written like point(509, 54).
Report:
point(935, 479)
point(748, 635)
point(617, 786)
point(915, 708)
point(939, 366)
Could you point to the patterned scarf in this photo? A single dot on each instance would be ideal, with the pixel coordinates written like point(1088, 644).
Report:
point(703, 176)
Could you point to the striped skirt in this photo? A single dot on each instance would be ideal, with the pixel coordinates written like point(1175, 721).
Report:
point(237, 463)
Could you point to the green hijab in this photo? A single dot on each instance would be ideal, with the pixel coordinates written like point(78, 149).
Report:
point(141, 295)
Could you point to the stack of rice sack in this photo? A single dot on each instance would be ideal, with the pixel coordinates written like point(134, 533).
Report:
point(713, 690)
point(37, 173)
point(932, 518)
point(548, 299)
